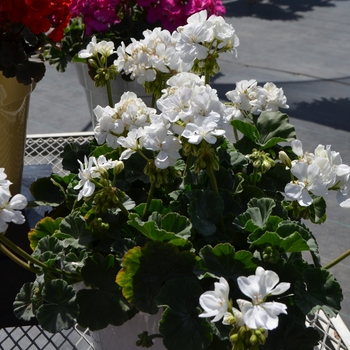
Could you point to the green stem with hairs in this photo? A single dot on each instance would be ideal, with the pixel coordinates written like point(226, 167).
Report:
point(337, 260)
point(34, 261)
point(18, 261)
point(149, 198)
point(109, 93)
point(122, 208)
point(188, 164)
point(214, 185)
point(235, 133)
point(255, 176)
point(207, 77)
point(153, 102)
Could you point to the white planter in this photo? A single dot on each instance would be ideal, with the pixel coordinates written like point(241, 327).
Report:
point(98, 95)
point(124, 337)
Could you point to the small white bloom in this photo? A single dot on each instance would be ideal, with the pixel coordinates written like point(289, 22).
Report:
point(90, 49)
point(203, 128)
point(105, 48)
point(86, 174)
point(130, 143)
point(10, 208)
point(258, 313)
point(309, 179)
point(215, 303)
point(3, 181)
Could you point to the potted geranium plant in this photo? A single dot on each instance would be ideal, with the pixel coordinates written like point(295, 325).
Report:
point(192, 213)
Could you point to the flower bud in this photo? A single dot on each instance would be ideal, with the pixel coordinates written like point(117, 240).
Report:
point(118, 168)
point(285, 159)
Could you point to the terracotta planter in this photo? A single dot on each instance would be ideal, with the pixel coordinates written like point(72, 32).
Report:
point(14, 106)
point(125, 336)
point(98, 95)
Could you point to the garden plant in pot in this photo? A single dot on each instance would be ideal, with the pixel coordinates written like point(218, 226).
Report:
point(193, 212)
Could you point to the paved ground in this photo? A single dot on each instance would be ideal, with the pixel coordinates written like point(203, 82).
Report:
point(302, 46)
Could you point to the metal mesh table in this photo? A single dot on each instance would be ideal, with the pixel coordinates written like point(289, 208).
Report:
point(46, 149)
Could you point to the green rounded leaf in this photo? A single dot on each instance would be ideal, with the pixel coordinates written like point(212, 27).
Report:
point(146, 269)
point(180, 325)
point(59, 309)
point(223, 261)
point(45, 227)
point(103, 304)
point(24, 302)
point(319, 290)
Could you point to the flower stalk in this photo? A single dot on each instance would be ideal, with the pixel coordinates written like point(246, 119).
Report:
point(337, 260)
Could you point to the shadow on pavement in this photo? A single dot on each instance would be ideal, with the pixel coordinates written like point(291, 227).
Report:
point(332, 112)
point(285, 10)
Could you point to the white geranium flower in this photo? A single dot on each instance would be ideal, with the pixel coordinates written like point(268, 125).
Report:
point(203, 128)
point(10, 208)
point(275, 98)
point(3, 179)
point(244, 93)
point(215, 303)
point(156, 138)
point(258, 313)
point(192, 35)
point(86, 174)
point(309, 179)
point(105, 48)
point(130, 143)
point(90, 49)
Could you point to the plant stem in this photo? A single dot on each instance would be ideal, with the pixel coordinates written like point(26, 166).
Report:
point(337, 260)
point(255, 176)
point(188, 164)
point(149, 198)
point(18, 261)
point(207, 77)
point(212, 178)
point(214, 185)
point(122, 208)
point(235, 133)
point(153, 102)
point(34, 261)
point(109, 93)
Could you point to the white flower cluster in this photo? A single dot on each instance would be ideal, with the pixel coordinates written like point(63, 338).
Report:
point(165, 52)
point(193, 109)
point(89, 170)
point(251, 98)
point(10, 207)
point(202, 36)
point(128, 114)
point(256, 313)
point(104, 48)
point(155, 53)
point(189, 108)
point(318, 173)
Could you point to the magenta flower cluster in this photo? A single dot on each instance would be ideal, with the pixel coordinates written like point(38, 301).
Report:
point(100, 15)
point(174, 13)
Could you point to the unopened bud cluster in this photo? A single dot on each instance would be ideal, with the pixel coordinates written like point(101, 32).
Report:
point(261, 160)
point(271, 254)
point(245, 338)
point(160, 176)
point(107, 198)
point(206, 157)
